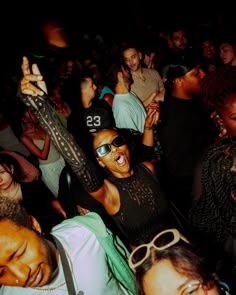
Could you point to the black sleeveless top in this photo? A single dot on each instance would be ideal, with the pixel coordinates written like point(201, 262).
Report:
point(144, 209)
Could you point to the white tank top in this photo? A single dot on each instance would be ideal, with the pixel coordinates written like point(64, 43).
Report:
point(53, 154)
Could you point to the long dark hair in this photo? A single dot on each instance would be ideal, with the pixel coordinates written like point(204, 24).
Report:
point(185, 260)
point(7, 162)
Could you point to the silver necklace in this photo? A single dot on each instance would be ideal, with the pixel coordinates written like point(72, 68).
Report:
point(8, 193)
point(17, 189)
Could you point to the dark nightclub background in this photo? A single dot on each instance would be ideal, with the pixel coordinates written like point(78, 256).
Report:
point(20, 22)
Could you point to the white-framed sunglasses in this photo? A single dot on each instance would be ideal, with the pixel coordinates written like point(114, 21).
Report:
point(161, 241)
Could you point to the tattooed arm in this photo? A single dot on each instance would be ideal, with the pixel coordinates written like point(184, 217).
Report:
point(33, 93)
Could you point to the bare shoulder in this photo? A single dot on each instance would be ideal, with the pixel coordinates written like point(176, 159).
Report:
point(150, 166)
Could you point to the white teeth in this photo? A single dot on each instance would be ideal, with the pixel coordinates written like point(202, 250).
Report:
point(120, 160)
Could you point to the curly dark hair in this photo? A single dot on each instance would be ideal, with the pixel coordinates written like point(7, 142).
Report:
point(216, 87)
point(12, 210)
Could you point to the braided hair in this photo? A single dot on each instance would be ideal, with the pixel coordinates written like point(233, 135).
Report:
point(214, 212)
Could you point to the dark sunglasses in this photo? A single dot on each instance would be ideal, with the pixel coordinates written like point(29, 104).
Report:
point(105, 149)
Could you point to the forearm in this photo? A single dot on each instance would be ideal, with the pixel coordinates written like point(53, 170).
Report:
point(148, 137)
point(46, 147)
point(65, 144)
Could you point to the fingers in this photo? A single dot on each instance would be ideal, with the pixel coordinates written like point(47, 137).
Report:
point(154, 112)
point(153, 95)
point(160, 96)
point(42, 85)
point(152, 117)
point(35, 75)
point(157, 116)
point(63, 213)
point(25, 67)
point(35, 70)
point(29, 88)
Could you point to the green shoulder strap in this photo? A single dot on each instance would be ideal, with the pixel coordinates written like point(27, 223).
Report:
point(115, 249)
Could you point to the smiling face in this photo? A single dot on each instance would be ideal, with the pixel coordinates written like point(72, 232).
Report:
point(118, 159)
point(132, 58)
point(163, 279)
point(24, 256)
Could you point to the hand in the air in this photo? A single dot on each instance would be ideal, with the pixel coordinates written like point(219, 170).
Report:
point(153, 114)
point(32, 82)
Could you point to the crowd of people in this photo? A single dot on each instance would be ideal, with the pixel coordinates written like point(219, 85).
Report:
point(125, 152)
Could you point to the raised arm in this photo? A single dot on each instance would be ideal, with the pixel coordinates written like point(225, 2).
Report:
point(33, 92)
point(152, 118)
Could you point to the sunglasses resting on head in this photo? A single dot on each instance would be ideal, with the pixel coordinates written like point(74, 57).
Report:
point(105, 149)
point(161, 241)
point(182, 267)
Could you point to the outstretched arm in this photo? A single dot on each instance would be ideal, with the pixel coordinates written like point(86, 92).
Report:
point(33, 92)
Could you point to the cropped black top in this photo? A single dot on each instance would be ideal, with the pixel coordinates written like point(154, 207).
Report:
point(144, 209)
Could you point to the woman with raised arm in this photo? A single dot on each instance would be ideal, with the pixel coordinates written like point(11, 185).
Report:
point(131, 195)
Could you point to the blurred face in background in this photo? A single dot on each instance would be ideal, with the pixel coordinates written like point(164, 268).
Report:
point(227, 53)
point(5, 177)
point(179, 39)
point(132, 58)
point(29, 117)
point(88, 92)
point(191, 81)
point(208, 49)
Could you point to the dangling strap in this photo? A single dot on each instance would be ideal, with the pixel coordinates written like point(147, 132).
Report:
point(66, 267)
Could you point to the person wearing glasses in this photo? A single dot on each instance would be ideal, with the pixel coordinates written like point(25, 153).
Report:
point(170, 265)
point(131, 195)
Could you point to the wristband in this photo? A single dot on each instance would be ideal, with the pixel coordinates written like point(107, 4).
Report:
point(148, 128)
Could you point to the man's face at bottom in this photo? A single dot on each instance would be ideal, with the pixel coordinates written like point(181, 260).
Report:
point(24, 258)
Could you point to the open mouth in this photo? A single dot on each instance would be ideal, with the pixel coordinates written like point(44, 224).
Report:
point(120, 159)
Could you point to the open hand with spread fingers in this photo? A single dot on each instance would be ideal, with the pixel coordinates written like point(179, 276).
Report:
point(32, 82)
